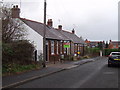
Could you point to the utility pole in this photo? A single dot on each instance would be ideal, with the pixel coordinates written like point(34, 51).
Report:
point(44, 36)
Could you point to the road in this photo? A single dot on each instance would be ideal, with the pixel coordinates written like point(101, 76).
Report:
point(90, 75)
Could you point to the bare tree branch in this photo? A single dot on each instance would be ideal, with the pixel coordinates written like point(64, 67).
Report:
point(11, 28)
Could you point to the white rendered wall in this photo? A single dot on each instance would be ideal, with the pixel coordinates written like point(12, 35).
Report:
point(34, 37)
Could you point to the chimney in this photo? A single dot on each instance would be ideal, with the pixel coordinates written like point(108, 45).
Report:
point(50, 22)
point(15, 12)
point(73, 31)
point(60, 27)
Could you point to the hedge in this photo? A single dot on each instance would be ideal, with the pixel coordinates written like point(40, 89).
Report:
point(108, 51)
point(20, 52)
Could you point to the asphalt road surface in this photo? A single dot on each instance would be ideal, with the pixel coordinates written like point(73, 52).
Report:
point(90, 75)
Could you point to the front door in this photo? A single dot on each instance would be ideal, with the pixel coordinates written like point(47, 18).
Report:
point(47, 53)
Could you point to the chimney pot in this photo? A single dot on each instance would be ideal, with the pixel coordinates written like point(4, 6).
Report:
point(13, 6)
point(73, 31)
point(16, 6)
point(60, 27)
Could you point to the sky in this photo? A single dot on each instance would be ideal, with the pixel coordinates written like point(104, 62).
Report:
point(91, 19)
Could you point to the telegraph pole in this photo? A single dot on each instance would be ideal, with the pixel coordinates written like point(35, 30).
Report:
point(44, 36)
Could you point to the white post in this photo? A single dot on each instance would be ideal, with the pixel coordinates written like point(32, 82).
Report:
point(100, 53)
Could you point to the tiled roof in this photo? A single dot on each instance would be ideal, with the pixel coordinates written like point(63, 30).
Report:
point(116, 42)
point(52, 33)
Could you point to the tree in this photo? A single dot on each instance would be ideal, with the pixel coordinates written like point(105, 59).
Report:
point(13, 42)
point(11, 28)
point(106, 45)
point(100, 45)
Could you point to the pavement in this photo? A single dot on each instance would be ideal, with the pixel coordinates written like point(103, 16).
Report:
point(51, 68)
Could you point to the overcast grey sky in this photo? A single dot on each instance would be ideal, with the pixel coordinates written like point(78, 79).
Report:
point(91, 19)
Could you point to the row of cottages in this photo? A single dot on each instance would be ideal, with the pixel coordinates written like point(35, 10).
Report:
point(114, 44)
point(93, 44)
point(58, 42)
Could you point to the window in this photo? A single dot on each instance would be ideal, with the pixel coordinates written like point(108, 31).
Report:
point(75, 48)
point(118, 45)
point(52, 47)
point(65, 50)
point(78, 47)
point(114, 46)
point(61, 48)
point(57, 47)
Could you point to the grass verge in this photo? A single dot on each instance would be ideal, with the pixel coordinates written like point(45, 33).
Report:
point(10, 69)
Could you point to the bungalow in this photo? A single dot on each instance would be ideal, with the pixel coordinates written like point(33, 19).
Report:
point(58, 42)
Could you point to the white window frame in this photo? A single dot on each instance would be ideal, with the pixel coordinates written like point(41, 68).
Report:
point(52, 47)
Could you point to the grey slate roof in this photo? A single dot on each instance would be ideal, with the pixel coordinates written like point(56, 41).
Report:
point(52, 33)
point(73, 37)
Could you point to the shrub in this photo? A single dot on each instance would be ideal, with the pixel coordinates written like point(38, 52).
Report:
point(92, 52)
point(7, 53)
point(108, 51)
point(20, 52)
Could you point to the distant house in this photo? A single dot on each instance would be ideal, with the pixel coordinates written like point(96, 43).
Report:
point(91, 44)
point(94, 44)
point(114, 44)
point(58, 41)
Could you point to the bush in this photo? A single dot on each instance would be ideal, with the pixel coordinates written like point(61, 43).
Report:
point(19, 52)
point(92, 52)
point(108, 51)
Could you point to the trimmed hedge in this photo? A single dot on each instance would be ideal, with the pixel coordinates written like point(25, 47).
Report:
point(92, 52)
point(108, 51)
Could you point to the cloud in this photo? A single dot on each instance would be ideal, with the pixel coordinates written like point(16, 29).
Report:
point(92, 19)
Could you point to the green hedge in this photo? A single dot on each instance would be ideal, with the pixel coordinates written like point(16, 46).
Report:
point(19, 52)
point(92, 52)
point(108, 51)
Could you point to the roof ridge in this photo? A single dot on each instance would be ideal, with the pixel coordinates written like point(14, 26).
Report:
point(65, 35)
point(63, 30)
point(43, 23)
point(31, 20)
point(67, 31)
point(115, 41)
